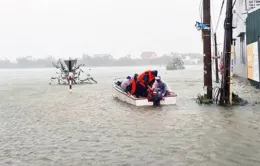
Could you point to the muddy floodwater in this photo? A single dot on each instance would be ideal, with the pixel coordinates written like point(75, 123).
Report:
point(42, 124)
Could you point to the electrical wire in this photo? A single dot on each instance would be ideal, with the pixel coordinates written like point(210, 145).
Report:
point(240, 17)
point(200, 10)
point(213, 20)
point(216, 90)
point(216, 95)
point(220, 13)
point(234, 4)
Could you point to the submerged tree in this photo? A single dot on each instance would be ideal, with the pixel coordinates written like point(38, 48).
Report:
point(76, 71)
point(175, 64)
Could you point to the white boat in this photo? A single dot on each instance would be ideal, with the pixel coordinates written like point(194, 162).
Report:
point(119, 93)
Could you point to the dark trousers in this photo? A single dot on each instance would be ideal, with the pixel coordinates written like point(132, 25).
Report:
point(140, 90)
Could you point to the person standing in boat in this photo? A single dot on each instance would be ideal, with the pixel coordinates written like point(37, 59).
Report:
point(160, 85)
point(144, 81)
point(125, 83)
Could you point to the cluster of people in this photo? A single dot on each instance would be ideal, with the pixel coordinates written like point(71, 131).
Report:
point(141, 84)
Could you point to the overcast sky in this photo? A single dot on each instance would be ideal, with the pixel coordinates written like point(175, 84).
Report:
point(65, 28)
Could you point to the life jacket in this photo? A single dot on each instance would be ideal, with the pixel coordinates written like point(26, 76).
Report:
point(141, 80)
point(133, 83)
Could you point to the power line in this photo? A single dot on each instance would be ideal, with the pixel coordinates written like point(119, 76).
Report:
point(214, 31)
point(220, 14)
point(213, 15)
point(240, 17)
point(234, 4)
point(200, 12)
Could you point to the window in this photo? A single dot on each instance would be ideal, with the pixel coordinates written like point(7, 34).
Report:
point(242, 49)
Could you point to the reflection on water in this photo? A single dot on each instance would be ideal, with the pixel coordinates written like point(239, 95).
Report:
point(43, 124)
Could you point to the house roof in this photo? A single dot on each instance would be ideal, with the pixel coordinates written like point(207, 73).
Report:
point(254, 9)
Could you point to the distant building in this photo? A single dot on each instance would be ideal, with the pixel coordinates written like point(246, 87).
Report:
point(2, 58)
point(239, 35)
point(187, 58)
point(195, 61)
point(148, 55)
point(30, 58)
point(251, 4)
point(239, 17)
point(109, 56)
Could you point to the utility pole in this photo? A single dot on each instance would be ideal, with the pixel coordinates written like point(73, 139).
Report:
point(225, 86)
point(207, 49)
point(216, 59)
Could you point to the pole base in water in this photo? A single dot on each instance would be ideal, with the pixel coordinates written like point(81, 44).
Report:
point(202, 99)
point(70, 81)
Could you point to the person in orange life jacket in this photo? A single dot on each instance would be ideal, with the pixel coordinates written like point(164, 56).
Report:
point(147, 77)
point(131, 80)
point(131, 88)
point(144, 80)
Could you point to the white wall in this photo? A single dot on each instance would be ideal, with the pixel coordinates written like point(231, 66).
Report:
point(239, 18)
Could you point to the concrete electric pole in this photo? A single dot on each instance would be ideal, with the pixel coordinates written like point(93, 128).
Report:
point(225, 86)
point(207, 49)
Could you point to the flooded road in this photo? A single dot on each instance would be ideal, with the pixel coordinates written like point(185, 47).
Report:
point(44, 124)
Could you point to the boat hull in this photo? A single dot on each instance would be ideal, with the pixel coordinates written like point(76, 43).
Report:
point(121, 95)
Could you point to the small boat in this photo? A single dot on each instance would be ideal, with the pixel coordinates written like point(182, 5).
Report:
point(119, 93)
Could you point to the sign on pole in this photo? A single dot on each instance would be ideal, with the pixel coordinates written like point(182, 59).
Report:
point(70, 64)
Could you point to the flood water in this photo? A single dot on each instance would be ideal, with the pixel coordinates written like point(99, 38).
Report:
point(44, 124)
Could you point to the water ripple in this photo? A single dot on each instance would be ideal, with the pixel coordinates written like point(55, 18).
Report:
point(46, 125)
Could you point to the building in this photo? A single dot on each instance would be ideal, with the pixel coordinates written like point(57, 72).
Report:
point(253, 46)
point(239, 17)
point(107, 56)
point(148, 55)
point(251, 4)
point(242, 7)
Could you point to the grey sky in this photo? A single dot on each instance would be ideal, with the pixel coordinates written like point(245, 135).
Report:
point(72, 27)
